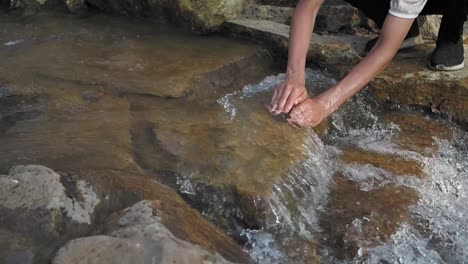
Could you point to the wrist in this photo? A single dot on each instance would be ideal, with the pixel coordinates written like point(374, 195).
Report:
point(329, 101)
point(296, 76)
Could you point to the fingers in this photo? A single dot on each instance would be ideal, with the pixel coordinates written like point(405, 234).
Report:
point(298, 110)
point(291, 96)
point(284, 93)
point(276, 96)
point(295, 98)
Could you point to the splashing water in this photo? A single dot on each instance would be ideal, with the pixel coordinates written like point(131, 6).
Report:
point(435, 230)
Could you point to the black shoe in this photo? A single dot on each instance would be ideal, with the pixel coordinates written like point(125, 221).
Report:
point(412, 39)
point(448, 56)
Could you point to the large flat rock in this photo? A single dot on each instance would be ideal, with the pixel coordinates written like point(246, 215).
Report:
point(126, 57)
point(233, 160)
point(323, 49)
point(408, 81)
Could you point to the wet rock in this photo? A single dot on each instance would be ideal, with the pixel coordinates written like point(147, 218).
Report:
point(176, 215)
point(359, 220)
point(161, 231)
point(407, 81)
point(418, 133)
point(128, 58)
point(239, 165)
point(73, 203)
point(87, 134)
point(324, 50)
point(392, 163)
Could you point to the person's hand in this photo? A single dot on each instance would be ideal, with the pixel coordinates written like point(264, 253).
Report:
point(287, 95)
point(309, 113)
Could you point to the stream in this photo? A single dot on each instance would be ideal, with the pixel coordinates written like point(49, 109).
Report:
point(374, 184)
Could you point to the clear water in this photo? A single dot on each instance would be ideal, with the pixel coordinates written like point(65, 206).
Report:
point(387, 184)
point(435, 228)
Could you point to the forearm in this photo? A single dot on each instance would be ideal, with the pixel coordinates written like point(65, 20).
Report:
point(300, 35)
point(392, 35)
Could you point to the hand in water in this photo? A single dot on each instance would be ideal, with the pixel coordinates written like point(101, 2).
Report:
point(287, 95)
point(309, 113)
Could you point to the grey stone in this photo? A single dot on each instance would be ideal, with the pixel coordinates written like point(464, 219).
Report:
point(276, 14)
point(139, 237)
point(429, 26)
point(36, 187)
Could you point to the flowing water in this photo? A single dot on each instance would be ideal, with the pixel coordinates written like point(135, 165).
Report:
point(376, 184)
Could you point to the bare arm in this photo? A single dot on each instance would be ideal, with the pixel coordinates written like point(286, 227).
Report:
point(292, 91)
point(312, 111)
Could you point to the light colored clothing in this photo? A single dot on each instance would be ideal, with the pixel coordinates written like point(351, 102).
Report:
point(407, 8)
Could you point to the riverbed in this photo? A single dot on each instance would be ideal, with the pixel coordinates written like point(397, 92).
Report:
point(374, 183)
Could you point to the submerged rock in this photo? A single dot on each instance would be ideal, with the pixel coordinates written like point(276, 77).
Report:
point(239, 165)
point(418, 133)
point(395, 164)
point(359, 220)
point(125, 57)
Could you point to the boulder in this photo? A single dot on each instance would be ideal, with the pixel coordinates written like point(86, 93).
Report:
point(158, 231)
point(74, 203)
point(38, 192)
point(35, 203)
point(429, 26)
point(204, 15)
point(234, 161)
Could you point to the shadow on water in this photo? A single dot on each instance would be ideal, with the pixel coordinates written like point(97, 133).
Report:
point(374, 184)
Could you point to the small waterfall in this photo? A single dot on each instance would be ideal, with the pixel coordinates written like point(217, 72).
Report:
point(436, 230)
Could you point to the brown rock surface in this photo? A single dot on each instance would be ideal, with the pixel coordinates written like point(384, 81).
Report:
point(407, 81)
point(165, 229)
point(360, 220)
point(392, 163)
point(417, 133)
point(124, 57)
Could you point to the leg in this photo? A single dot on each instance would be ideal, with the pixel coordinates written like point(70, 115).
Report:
point(449, 52)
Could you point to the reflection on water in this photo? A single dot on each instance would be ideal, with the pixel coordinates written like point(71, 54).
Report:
point(386, 184)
